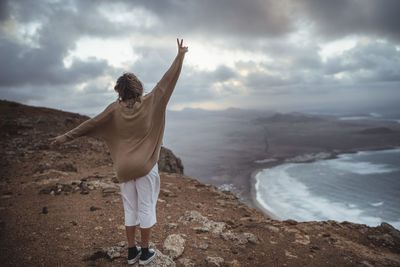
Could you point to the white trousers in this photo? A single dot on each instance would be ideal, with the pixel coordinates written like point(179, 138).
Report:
point(139, 197)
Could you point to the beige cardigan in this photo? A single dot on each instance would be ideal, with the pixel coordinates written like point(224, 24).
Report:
point(133, 135)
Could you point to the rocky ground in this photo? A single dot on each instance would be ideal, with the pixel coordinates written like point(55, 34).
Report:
point(62, 206)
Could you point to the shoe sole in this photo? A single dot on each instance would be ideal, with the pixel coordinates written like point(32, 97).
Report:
point(148, 260)
point(134, 260)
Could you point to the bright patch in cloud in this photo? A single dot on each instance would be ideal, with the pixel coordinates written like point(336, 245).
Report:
point(336, 48)
point(116, 51)
point(206, 56)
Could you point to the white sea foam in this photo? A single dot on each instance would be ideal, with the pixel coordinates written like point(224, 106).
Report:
point(369, 152)
point(353, 118)
point(309, 157)
point(265, 160)
point(288, 198)
point(226, 187)
point(377, 204)
point(374, 114)
point(361, 167)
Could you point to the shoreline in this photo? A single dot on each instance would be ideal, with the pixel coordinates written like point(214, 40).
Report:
point(334, 155)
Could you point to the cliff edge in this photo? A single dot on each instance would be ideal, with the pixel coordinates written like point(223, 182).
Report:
point(62, 206)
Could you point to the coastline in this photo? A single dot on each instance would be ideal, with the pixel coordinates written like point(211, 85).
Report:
point(253, 193)
point(334, 154)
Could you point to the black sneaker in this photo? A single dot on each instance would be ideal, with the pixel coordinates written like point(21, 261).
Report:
point(134, 254)
point(147, 256)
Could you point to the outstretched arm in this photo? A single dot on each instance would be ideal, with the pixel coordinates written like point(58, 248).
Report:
point(90, 127)
point(166, 85)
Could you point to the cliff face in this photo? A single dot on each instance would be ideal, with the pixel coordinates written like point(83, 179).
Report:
point(62, 206)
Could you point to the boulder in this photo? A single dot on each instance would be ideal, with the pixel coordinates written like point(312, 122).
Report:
point(174, 245)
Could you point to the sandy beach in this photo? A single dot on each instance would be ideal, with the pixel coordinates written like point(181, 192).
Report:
point(254, 196)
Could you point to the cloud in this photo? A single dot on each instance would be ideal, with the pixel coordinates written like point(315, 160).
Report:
point(256, 18)
point(261, 50)
point(336, 19)
point(368, 62)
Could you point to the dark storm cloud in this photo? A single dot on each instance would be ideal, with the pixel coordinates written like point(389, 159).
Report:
point(38, 66)
point(256, 18)
point(335, 19)
point(61, 26)
point(371, 62)
point(199, 85)
point(3, 11)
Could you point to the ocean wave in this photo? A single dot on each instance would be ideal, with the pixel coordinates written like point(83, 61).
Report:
point(265, 160)
point(359, 167)
point(288, 198)
point(377, 204)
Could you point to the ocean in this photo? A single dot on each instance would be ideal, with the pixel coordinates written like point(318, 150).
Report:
point(363, 187)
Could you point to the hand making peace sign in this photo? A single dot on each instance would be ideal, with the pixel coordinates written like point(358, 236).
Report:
point(181, 48)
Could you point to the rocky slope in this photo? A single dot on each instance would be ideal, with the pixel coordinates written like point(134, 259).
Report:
point(62, 206)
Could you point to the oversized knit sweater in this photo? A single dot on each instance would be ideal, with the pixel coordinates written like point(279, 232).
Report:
point(133, 135)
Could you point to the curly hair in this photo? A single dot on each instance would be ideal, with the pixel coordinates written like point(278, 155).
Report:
point(129, 88)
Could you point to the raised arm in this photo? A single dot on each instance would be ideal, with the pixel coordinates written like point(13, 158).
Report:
point(166, 85)
point(90, 127)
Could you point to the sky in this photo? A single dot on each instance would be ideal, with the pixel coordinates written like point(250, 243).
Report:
point(283, 55)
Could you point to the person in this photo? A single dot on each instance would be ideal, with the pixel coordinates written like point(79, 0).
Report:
point(133, 129)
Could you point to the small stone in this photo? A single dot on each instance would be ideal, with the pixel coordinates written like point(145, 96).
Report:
point(74, 223)
point(272, 228)
point(202, 246)
point(366, 263)
point(93, 208)
point(302, 239)
point(200, 230)
point(291, 222)
point(161, 260)
point(108, 190)
point(44, 210)
point(122, 244)
point(170, 226)
point(214, 261)
point(234, 263)
point(240, 238)
point(113, 252)
point(186, 262)
point(290, 255)
point(167, 193)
